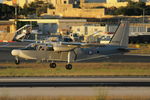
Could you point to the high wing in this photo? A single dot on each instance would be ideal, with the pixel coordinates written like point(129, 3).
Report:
point(68, 46)
point(80, 44)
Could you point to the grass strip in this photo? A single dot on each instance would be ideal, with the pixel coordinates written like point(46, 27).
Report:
point(79, 69)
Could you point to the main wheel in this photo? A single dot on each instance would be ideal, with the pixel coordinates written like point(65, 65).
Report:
point(17, 62)
point(69, 66)
point(52, 65)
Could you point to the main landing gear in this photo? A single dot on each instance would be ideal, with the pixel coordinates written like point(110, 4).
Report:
point(53, 65)
point(68, 66)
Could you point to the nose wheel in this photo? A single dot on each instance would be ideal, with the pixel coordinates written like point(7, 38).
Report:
point(52, 65)
point(69, 66)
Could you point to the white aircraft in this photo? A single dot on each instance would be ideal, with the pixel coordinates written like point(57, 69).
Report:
point(74, 52)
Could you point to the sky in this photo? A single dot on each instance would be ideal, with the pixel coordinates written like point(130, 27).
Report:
point(0, 1)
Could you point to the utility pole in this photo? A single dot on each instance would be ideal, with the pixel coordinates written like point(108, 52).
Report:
point(16, 14)
point(143, 19)
point(143, 16)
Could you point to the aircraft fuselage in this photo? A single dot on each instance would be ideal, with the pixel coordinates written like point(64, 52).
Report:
point(78, 54)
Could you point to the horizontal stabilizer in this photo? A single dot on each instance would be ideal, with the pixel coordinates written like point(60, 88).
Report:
point(127, 49)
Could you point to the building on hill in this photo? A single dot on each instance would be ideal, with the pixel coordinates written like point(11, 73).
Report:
point(83, 3)
point(77, 8)
point(83, 8)
point(71, 8)
point(86, 8)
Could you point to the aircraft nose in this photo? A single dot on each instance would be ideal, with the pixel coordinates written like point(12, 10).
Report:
point(15, 52)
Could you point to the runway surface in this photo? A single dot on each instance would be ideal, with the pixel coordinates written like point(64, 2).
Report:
point(5, 56)
point(73, 81)
point(134, 92)
point(75, 86)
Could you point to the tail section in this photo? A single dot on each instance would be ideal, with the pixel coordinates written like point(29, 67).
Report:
point(121, 36)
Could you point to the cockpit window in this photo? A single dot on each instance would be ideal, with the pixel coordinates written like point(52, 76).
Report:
point(44, 48)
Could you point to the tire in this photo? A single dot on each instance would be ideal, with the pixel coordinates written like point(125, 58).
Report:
point(17, 62)
point(69, 66)
point(52, 65)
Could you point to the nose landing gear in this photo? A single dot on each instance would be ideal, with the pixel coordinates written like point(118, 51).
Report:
point(17, 61)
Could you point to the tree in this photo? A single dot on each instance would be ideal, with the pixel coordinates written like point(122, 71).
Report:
point(6, 11)
point(147, 10)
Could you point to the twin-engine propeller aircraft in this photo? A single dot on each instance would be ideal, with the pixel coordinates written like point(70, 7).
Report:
point(74, 52)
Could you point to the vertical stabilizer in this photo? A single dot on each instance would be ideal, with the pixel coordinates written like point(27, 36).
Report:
point(121, 36)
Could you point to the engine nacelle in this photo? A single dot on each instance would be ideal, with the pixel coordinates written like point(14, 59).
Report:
point(63, 48)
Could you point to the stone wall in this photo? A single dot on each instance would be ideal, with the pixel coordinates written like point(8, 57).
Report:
point(69, 11)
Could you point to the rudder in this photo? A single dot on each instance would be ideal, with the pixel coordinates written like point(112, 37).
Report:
point(121, 36)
